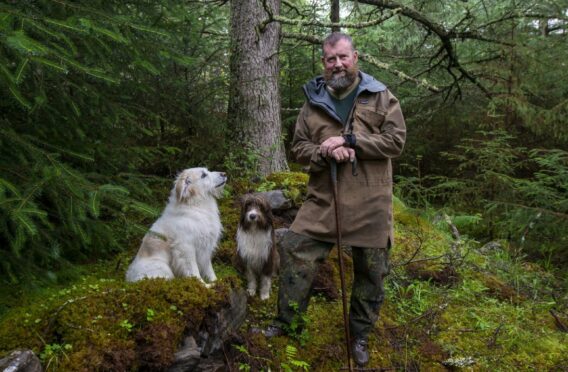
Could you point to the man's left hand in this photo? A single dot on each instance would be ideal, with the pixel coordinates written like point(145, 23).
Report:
point(343, 154)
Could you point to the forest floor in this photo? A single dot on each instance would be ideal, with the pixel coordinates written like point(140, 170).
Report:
point(451, 303)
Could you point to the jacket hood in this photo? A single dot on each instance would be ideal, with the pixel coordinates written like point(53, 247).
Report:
point(317, 94)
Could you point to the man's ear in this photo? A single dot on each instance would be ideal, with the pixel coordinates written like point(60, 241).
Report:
point(356, 56)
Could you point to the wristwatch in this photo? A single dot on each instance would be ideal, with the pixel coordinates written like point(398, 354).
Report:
point(350, 140)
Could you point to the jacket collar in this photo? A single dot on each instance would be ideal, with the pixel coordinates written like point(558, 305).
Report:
point(317, 94)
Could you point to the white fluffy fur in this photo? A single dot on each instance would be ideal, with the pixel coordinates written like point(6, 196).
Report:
point(182, 241)
point(254, 247)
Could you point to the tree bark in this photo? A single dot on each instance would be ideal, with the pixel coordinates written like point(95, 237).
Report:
point(334, 15)
point(254, 100)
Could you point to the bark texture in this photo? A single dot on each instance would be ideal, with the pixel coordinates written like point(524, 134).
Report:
point(254, 103)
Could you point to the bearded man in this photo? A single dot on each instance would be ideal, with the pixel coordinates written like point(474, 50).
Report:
point(348, 115)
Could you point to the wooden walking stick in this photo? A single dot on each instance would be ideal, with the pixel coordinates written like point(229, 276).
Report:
point(340, 255)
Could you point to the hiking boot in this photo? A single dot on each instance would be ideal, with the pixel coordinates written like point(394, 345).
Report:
point(270, 331)
point(359, 352)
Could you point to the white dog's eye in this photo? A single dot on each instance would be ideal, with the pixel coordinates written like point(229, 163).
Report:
point(203, 175)
point(187, 181)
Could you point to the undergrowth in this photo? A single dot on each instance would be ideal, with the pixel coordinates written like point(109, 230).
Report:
point(451, 302)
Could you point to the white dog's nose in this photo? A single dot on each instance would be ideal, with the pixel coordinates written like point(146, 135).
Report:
point(252, 216)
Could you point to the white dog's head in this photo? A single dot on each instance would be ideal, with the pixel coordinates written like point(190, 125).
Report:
point(197, 183)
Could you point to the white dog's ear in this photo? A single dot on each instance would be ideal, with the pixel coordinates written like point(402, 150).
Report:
point(184, 189)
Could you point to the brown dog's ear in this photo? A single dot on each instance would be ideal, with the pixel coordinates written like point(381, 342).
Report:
point(243, 199)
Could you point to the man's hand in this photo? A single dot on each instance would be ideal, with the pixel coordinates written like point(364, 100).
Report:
point(343, 154)
point(331, 144)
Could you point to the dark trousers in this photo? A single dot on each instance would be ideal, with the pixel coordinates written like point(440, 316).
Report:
point(300, 257)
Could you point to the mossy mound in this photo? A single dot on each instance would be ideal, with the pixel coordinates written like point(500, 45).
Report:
point(107, 324)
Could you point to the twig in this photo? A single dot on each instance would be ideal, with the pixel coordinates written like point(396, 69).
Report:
point(493, 341)
point(430, 311)
point(561, 326)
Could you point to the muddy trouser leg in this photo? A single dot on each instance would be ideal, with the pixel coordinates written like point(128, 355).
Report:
point(300, 257)
point(370, 266)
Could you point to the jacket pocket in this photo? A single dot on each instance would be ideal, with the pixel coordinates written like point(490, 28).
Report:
point(368, 120)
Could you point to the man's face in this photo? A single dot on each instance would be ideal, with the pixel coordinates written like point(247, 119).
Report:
point(340, 65)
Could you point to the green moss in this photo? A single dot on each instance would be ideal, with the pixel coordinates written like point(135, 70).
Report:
point(293, 184)
point(110, 322)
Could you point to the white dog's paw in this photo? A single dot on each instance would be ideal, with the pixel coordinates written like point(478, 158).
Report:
point(264, 296)
point(251, 291)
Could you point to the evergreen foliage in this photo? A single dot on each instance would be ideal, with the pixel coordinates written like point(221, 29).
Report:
point(93, 95)
point(517, 194)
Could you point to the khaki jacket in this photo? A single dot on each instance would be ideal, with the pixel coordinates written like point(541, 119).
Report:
point(365, 199)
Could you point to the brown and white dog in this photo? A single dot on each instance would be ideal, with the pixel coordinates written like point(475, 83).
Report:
point(182, 241)
point(256, 245)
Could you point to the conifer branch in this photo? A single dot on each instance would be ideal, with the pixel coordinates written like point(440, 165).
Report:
point(303, 23)
point(401, 75)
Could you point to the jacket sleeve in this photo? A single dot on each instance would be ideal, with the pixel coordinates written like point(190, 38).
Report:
point(390, 141)
point(304, 150)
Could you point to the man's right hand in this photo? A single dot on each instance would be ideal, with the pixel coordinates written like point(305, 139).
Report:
point(330, 145)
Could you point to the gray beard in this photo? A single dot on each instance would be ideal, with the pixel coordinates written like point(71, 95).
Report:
point(340, 83)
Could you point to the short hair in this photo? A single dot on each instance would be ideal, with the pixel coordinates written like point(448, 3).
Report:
point(334, 37)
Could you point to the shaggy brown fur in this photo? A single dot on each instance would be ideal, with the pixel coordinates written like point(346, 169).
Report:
point(256, 244)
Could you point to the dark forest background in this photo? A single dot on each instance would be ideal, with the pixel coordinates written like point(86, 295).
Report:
point(102, 102)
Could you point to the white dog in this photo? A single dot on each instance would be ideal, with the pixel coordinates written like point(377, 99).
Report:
point(256, 246)
point(181, 242)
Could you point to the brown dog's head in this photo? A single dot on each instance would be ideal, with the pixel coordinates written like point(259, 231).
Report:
point(255, 213)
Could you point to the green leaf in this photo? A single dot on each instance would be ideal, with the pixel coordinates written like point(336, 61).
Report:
point(68, 24)
point(19, 96)
point(25, 221)
point(148, 29)
point(94, 203)
point(114, 189)
point(145, 209)
point(20, 70)
point(100, 73)
point(111, 34)
point(7, 185)
point(9, 77)
point(52, 64)
point(148, 66)
point(20, 41)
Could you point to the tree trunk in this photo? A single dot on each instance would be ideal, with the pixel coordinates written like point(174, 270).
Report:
point(254, 101)
point(334, 15)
